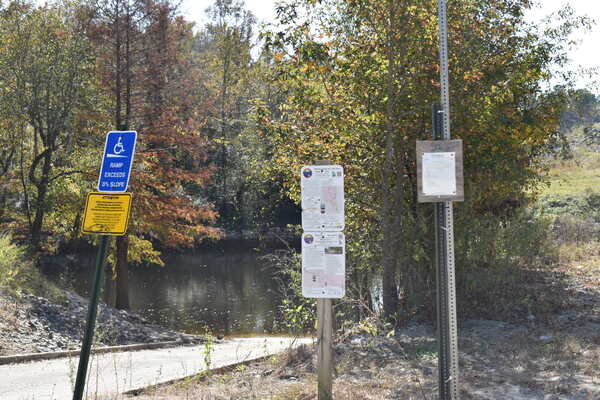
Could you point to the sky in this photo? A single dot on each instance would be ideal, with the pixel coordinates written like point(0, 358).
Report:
point(264, 10)
point(586, 55)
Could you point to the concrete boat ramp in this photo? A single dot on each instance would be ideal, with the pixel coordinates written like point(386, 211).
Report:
point(126, 371)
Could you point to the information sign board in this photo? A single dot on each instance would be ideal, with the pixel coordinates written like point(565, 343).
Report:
point(322, 202)
point(440, 171)
point(119, 150)
point(323, 264)
point(106, 213)
point(439, 174)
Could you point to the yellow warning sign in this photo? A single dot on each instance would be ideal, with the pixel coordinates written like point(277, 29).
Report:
point(106, 213)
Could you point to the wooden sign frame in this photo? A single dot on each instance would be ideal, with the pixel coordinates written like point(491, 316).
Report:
point(440, 146)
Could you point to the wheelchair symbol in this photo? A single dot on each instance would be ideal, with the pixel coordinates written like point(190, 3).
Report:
point(119, 148)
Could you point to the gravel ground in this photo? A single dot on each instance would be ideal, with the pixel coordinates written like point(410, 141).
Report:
point(31, 324)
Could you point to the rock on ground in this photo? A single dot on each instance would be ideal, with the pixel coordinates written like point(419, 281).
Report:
point(31, 324)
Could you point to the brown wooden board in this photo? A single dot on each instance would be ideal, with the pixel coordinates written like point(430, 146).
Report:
point(450, 148)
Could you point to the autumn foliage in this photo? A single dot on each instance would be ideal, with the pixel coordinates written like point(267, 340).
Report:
point(360, 84)
point(145, 63)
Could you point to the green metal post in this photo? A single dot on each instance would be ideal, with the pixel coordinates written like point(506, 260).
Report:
point(441, 276)
point(86, 345)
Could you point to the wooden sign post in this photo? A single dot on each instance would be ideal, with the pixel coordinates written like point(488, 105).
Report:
point(324, 356)
point(323, 255)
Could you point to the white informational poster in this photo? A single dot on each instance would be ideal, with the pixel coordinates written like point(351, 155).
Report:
point(323, 264)
point(322, 197)
point(439, 174)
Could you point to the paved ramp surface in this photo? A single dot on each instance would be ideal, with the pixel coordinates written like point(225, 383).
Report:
point(121, 372)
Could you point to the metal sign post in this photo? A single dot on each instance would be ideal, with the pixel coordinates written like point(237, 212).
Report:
point(86, 345)
point(447, 327)
point(445, 288)
point(106, 213)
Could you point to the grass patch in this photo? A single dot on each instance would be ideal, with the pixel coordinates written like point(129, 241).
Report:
point(573, 177)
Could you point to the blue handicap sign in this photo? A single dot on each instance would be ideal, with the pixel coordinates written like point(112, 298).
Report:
point(116, 164)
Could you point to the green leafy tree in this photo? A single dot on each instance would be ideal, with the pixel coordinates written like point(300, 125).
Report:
point(47, 72)
point(360, 77)
point(223, 50)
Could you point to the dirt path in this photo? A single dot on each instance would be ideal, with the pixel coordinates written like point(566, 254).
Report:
point(120, 372)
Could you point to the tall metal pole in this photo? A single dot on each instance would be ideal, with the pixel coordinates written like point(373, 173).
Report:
point(84, 355)
point(449, 385)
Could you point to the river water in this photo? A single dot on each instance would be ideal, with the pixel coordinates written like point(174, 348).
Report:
point(230, 293)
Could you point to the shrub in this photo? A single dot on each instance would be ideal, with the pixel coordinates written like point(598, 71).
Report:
point(11, 262)
point(19, 274)
point(500, 263)
point(296, 312)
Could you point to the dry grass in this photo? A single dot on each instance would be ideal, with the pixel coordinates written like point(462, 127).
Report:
point(286, 378)
point(514, 357)
point(584, 254)
point(554, 356)
point(574, 177)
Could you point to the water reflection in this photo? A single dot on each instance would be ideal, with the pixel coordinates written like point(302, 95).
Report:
point(225, 293)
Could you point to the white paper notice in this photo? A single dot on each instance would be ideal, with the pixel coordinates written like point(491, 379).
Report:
point(439, 174)
point(322, 189)
point(323, 264)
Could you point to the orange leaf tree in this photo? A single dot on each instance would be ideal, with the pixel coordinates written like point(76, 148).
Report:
point(144, 61)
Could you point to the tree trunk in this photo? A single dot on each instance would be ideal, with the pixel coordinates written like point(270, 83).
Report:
point(122, 242)
point(222, 127)
point(40, 203)
point(390, 291)
point(118, 72)
point(389, 243)
point(122, 268)
point(108, 294)
point(3, 195)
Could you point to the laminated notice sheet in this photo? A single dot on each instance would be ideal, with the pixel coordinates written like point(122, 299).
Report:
point(323, 264)
point(439, 174)
point(322, 189)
